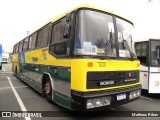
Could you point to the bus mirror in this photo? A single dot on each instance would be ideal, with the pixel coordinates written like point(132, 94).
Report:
point(67, 30)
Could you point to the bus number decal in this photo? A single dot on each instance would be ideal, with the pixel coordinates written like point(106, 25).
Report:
point(102, 64)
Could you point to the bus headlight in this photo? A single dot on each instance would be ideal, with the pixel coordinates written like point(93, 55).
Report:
point(134, 94)
point(90, 104)
point(98, 102)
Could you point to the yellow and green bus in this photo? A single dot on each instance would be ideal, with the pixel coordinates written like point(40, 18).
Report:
point(83, 59)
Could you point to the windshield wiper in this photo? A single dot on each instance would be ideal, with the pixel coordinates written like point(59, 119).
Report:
point(128, 48)
point(106, 47)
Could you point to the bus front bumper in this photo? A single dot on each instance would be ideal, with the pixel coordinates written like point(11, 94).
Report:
point(86, 101)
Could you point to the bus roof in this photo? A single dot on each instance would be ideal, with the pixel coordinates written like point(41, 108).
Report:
point(78, 7)
point(86, 6)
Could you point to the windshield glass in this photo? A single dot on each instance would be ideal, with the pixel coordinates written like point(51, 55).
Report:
point(155, 53)
point(125, 30)
point(94, 34)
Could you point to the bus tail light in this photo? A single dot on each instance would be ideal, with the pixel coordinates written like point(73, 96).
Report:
point(98, 102)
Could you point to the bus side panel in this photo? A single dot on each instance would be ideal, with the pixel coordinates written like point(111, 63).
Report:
point(39, 62)
point(154, 80)
point(144, 77)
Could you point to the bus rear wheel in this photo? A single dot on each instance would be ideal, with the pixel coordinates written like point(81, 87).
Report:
point(48, 90)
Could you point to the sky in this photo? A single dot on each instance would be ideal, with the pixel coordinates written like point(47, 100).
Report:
point(19, 16)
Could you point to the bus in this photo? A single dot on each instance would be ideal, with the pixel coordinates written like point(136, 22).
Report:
point(83, 59)
point(5, 58)
point(0, 57)
point(148, 52)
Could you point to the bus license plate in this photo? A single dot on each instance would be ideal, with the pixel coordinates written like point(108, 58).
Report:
point(121, 96)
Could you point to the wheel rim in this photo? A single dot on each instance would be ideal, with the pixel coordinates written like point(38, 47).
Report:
point(47, 88)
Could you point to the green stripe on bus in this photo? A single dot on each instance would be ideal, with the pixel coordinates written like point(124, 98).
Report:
point(63, 73)
point(62, 99)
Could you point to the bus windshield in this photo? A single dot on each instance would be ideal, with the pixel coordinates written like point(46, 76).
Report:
point(95, 35)
point(155, 53)
point(125, 42)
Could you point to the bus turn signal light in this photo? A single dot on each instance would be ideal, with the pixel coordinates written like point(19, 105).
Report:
point(90, 64)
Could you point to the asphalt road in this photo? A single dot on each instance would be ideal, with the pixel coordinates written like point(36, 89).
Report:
point(15, 95)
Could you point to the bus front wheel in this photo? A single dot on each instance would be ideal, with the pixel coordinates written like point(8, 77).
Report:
point(48, 90)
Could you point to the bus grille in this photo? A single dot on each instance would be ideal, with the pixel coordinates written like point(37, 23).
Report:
point(111, 78)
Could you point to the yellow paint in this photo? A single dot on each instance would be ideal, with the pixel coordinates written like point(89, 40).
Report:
point(50, 59)
point(79, 71)
point(15, 62)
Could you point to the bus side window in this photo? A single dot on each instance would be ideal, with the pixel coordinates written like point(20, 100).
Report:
point(14, 49)
point(32, 41)
point(25, 44)
point(17, 46)
point(43, 36)
point(59, 45)
point(20, 46)
point(55, 33)
point(141, 51)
